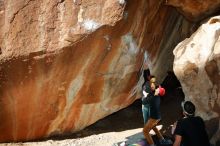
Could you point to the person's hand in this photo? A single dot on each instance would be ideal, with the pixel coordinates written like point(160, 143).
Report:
point(145, 94)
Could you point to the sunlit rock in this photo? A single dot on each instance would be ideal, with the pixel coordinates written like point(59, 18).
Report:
point(65, 64)
point(197, 66)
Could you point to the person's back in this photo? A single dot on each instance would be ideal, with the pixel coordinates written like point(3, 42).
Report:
point(192, 129)
point(155, 117)
point(155, 106)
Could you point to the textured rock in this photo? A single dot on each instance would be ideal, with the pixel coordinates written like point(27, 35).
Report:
point(197, 9)
point(51, 25)
point(197, 66)
point(65, 64)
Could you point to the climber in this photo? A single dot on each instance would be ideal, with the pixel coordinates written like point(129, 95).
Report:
point(154, 100)
point(190, 130)
point(148, 87)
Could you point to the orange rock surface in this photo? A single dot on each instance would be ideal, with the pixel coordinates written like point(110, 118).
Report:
point(197, 9)
point(65, 64)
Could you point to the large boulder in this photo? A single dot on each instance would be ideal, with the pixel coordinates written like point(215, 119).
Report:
point(65, 64)
point(197, 66)
point(195, 10)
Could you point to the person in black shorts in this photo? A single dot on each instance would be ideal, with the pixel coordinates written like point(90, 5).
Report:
point(155, 117)
point(190, 130)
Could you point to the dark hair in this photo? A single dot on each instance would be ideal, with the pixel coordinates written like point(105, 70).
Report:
point(152, 76)
point(157, 86)
point(146, 75)
point(188, 108)
point(147, 72)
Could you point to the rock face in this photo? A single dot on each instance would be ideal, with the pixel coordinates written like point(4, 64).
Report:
point(65, 64)
point(197, 9)
point(197, 66)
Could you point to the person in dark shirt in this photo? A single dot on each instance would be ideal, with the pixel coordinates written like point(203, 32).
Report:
point(148, 87)
point(154, 116)
point(190, 131)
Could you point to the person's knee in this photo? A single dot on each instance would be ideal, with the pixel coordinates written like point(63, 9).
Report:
point(155, 128)
point(146, 129)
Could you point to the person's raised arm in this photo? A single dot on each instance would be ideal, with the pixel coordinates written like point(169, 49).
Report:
point(178, 140)
point(173, 128)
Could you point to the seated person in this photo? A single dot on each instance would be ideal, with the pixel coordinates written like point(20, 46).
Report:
point(190, 130)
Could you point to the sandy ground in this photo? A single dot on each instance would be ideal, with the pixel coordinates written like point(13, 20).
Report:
point(123, 126)
point(104, 139)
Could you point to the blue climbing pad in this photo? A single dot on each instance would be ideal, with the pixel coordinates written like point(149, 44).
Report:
point(143, 142)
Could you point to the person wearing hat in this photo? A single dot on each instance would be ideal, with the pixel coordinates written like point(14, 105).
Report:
point(190, 130)
point(155, 117)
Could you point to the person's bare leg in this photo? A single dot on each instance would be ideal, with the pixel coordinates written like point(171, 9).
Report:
point(148, 126)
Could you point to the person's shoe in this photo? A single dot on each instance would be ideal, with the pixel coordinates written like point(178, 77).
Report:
point(166, 142)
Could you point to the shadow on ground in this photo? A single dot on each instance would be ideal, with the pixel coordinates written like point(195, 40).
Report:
point(131, 118)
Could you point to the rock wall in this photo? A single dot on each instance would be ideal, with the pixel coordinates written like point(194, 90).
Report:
point(195, 10)
point(65, 64)
point(197, 66)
